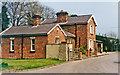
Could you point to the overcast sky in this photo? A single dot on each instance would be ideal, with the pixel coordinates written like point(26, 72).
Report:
point(106, 13)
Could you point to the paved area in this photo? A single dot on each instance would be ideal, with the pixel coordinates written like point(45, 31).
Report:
point(103, 64)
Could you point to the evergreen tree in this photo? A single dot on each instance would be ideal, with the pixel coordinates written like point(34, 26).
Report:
point(5, 19)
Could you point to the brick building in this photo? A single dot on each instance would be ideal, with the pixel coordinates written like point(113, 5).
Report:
point(30, 41)
point(83, 27)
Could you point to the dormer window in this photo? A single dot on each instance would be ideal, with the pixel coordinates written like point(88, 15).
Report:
point(91, 29)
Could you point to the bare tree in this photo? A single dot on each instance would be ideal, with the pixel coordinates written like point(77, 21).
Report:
point(48, 12)
point(112, 34)
point(20, 13)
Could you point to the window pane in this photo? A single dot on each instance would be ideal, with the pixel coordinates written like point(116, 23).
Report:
point(33, 47)
point(70, 41)
point(57, 40)
point(33, 41)
point(12, 42)
point(13, 47)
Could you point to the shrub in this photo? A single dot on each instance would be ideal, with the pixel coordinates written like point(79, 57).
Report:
point(3, 64)
point(93, 53)
point(83, 52)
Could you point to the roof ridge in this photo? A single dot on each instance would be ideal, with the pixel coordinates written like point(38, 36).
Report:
point(75, 16)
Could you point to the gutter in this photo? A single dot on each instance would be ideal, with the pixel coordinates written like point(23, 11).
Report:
point(75, 35)
point(25, 35)
point(22, 38)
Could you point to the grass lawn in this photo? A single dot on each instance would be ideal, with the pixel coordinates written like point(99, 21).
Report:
point(22, 64)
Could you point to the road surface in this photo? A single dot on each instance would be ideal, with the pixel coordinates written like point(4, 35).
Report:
point(103, 64)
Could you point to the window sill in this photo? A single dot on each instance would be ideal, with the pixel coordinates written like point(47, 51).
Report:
point(32, 51)
point(11, 52)
point(91, 34)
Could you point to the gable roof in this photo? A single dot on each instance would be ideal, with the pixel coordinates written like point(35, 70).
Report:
point(83, 19)
point(30, 30)
point(69, 34)
point(18, 30)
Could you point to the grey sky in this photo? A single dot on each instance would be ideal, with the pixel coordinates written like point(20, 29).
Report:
point(106, 13)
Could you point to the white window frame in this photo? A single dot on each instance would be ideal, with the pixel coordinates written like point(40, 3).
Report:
point(57, 39)
point(32, 45)
point(90, 44)
point(70, 41)
point(11, 45)
point(91, 29)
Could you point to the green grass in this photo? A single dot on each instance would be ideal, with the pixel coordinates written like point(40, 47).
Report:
point(22, 64)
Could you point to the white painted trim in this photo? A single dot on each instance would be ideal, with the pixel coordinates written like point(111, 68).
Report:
point(63, 22)
point(55, 27)
point(32, 37)
point(12, 38)
point(5, 30)
point(71, 34)
point(70, 40)
point(43, 21)
point(94, 20)
point(52, 29)
point(11, 45)
point(31, 45)
point(56, 36)
point(91, 46)
point(62, 30)
point(91, 29)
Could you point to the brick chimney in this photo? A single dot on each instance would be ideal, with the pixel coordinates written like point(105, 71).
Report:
point(62, 16)
point(37, 19)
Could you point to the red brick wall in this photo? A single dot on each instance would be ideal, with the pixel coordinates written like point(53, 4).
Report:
point(82, 34)
point(62, 18)
point(37, 21)
point(40, 45)
point(83, 31)
point(54, 33)
point(69, 28)
point(89, 36)
point(5, 48)
point(72, 40)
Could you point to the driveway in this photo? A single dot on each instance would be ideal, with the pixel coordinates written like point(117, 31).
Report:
point(102, 64)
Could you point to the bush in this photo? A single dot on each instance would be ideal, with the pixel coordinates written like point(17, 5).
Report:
point(3, 64)
point(93, 53)
point(83, 52)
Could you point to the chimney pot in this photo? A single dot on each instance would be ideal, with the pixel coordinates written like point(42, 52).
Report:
point(62, 16)
point(61, 10)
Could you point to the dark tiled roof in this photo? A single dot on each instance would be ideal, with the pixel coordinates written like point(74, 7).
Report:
point(17, 30)
point(79, 19)
point(69, 34)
